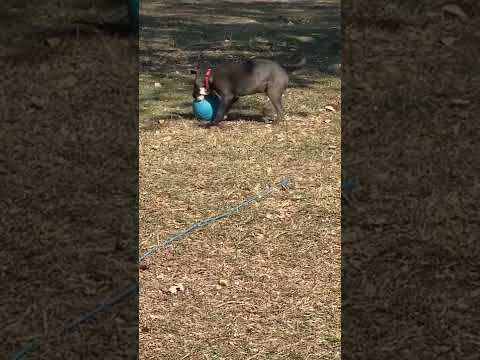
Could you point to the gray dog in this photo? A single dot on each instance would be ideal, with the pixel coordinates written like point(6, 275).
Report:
point(231, 81)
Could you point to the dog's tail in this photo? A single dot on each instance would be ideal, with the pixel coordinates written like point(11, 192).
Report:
point(298, 65)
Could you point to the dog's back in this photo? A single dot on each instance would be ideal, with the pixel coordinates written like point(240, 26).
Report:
point(251, 76)
point(235, 80)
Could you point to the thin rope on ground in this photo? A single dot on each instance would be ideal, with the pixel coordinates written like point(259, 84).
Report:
point(132, 289)
point(244, 204)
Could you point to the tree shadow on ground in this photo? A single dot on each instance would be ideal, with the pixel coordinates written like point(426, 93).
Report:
point(176, 37)
point(27, 23)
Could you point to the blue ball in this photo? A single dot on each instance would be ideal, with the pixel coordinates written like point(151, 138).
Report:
point(207, 108)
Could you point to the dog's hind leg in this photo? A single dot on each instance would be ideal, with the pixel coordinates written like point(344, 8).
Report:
point(276, 100)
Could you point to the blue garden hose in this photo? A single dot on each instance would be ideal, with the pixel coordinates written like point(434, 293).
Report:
point(132, 289)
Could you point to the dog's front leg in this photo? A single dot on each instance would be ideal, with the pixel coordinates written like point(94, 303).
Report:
point(225, 103)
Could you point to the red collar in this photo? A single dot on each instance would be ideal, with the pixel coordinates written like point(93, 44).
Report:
point(206, 78)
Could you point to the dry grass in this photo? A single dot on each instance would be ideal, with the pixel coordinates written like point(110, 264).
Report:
point(69, 153)
point(264, 284)
point(281, 258)
point(408, 234)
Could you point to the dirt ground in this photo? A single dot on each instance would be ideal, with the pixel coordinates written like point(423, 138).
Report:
point(263, 284)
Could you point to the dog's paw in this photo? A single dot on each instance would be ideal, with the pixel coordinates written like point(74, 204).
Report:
point(205, 125)
point(211, 124)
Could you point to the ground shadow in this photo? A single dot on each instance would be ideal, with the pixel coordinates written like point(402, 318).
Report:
point(243, 112)
point(226, 31)
point(26, 24)
point(232, 116)
point(176, 36)
point(152, 122)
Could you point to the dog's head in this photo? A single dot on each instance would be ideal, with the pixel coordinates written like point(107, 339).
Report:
point(201, 82)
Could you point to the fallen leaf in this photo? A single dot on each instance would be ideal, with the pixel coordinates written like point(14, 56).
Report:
point(176, 288)
point(223, 282)
point(53, 42)
point(454, 10)
point(379, 220)
point(67, 82)
point(145, 329)
point(38, 102)
point(460, 102)
point(462, 305)
point(449, 40)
